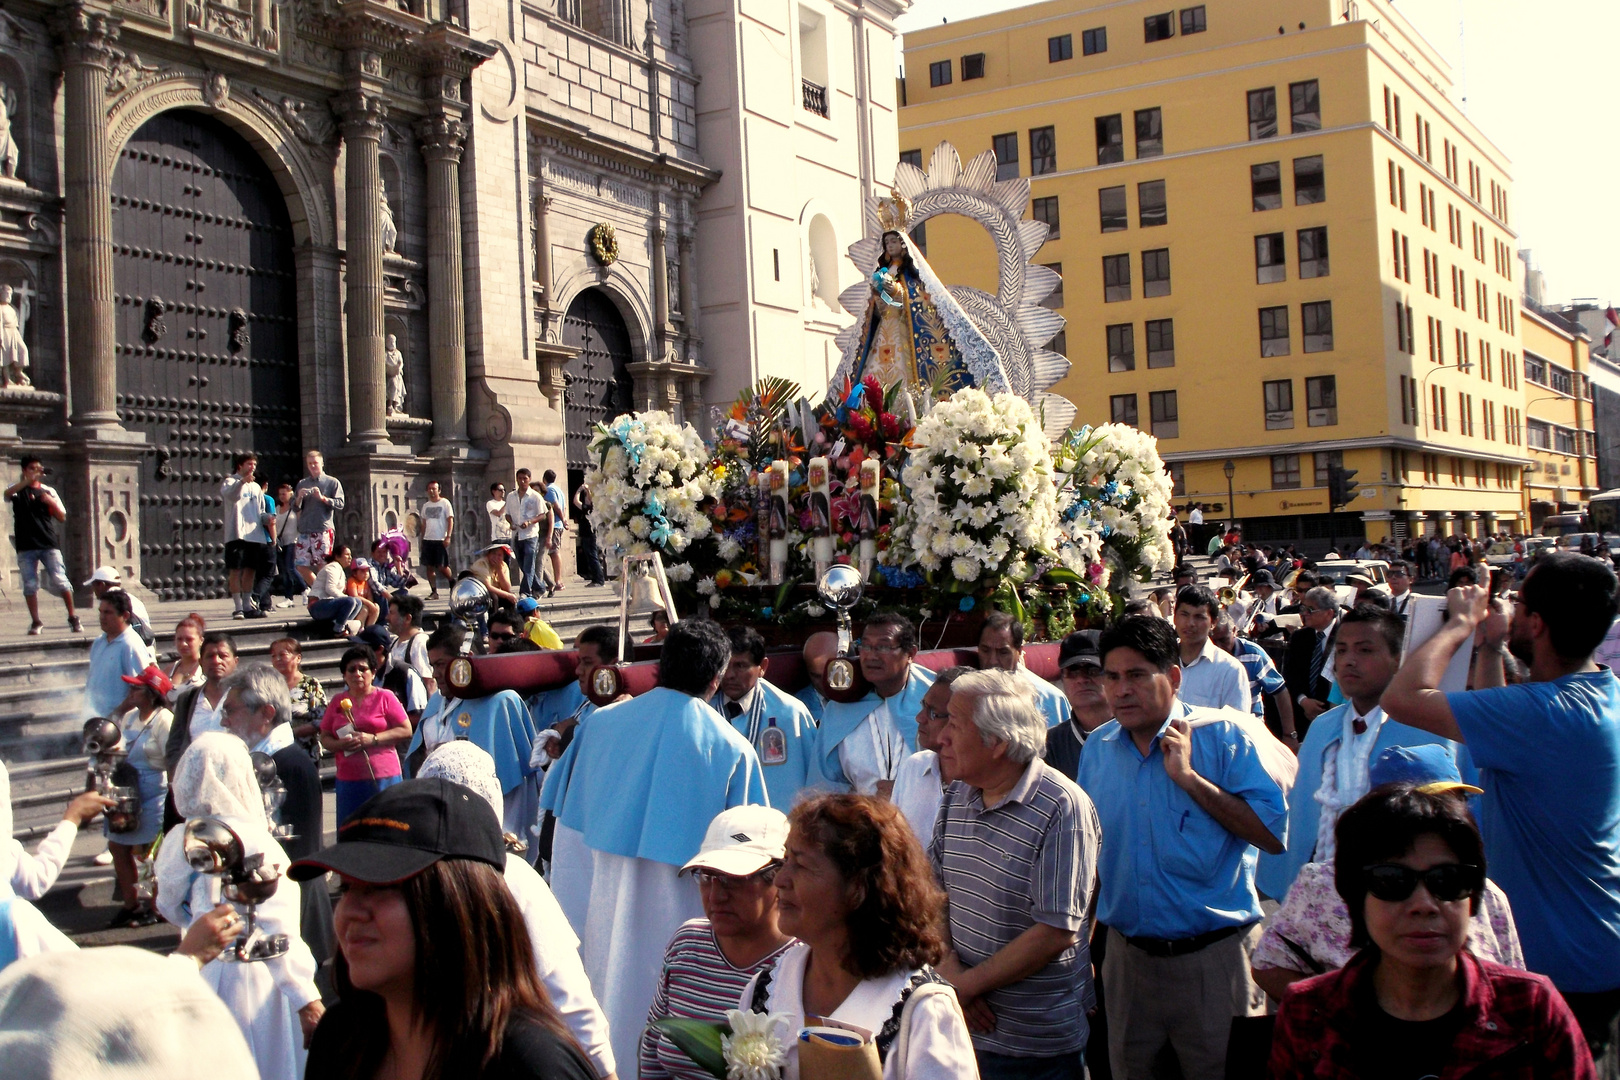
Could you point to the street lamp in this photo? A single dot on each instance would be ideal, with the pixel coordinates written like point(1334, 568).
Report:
point(1230, 469)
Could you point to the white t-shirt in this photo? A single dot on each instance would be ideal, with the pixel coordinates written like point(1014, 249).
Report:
point(436, 517)
point(244, 511)
point(499, 527)
point(521, 507)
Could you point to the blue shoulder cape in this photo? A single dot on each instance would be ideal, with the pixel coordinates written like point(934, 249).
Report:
point(839, 719)
point(648, 775)
point(500, 725)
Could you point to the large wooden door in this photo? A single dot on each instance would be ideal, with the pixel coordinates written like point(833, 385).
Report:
point(207, 335)
point(596, 382)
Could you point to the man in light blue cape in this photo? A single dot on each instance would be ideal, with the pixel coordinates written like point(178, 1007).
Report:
point(646, 777)
point(778, 727)
point(859, 746)
point(499, 724)
point(1001, 645)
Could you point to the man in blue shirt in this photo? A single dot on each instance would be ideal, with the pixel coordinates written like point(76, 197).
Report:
point(777, 724)
point(1184, 801)
point(1549, 757)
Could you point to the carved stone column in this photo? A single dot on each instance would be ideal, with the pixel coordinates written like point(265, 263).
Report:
point(442, 139)
point(660, 269)
point(363, 112)
point(87, 34)
point(542, 256)
point(683, 244)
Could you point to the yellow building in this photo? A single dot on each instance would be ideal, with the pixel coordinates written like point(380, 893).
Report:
point(1282, 245)
point(1562, 473)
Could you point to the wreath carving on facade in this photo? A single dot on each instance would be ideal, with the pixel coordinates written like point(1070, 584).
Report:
point(605, 243)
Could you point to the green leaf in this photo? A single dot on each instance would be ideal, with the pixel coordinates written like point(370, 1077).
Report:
point(783, 593)
point(698, 1040)
point(1061, 575)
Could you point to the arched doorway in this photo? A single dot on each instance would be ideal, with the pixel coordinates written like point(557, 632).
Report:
point(596, 382)
point(207, 342)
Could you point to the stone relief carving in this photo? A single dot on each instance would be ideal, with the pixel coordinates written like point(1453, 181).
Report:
point(14, 33)
point(310, 123)
point(394, 366)
point(9, 155)
point(155, 327)
point(13, 350)
point(216, 89)
point(128, 72)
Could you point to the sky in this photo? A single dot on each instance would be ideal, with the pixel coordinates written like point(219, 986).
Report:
point(1537, 87)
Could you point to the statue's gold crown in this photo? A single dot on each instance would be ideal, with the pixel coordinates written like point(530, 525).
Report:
point(894, 212)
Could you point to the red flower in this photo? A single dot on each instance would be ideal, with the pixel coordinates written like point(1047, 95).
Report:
point(874, 391)
point(860, 428)
point(889, 424)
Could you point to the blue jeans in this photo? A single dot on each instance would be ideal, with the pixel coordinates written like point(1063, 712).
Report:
point(1007, 1067)
point(526, 550)
point(352, 794)
point(337, 611)
point(56, 579)
point(289, 582)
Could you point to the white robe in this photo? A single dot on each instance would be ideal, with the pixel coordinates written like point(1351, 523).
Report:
point(636, 905)
point(520, 811)
point(263, 996)
point(571, 866)
point(32, 876)
point(34, 932)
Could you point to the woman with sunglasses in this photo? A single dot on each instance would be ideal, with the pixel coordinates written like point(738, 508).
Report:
point(1415, 1001)
point(710, 960)
point(361, 727)
point(434, 967)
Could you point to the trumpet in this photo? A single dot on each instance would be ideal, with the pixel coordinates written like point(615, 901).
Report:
point(1228, 594)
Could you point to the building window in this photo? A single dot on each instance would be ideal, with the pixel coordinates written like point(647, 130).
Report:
point(1317, 324)
point(1285, 470)
point(1178, 478)
point(1161, 343)
point(1313, 252)
point(1537, 434)
point(1042, 151)
point(1110, 140)
point(1310, 181)
point(1193, 21)
point(1265, 184)
point(1158, 27)
point(1116, 278)
point(911, 157)
point(1045, 209)
point(1279, 401)
point(939, 73)
point(1093, 42)
point(973, 66)
point(1122, 409)
point(1150, 205)
point(1006, 147)
point(1149, 133)
point(1054, 299)
point(1325, 460)
point(1122, 347)
point(1263, 113)
point(1270, 260)
point(1156, 272)
point(1111, 207)
point(1321, 401)
point(1535, 369)
point(1166, 419)
point(1059, 48)
point(1304, 107)
point(1274, 331)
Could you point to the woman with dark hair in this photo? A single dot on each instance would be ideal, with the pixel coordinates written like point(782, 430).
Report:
point(361, 727)
point(186, 670)
point(857, 891)
point(1414, 1001)
point(434, 966)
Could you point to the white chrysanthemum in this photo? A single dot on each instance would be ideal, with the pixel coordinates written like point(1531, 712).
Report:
point(706, 586)
point(729, 549)
point(965, 569)
point(678, 571)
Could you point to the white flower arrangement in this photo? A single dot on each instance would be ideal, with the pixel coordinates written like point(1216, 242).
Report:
point(647, 483)
point(756, 1049)
point(1113, 502)
point(979, 490)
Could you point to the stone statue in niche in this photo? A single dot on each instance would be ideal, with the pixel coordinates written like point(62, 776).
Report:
point(9, 156)
point(13, 350)
point(394, 367)
point(385, 224)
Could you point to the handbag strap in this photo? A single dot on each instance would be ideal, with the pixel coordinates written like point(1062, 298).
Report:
point(924, 983)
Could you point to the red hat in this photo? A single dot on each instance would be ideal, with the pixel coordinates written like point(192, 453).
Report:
point(153, 679)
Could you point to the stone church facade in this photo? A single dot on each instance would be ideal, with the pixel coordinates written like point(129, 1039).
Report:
point(435, 239)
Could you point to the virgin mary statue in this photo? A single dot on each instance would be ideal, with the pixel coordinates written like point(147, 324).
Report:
point(913, 330)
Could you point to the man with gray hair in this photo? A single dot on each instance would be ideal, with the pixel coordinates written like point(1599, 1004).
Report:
point(1307, 666)
point(257, 708)
point(1015, 847)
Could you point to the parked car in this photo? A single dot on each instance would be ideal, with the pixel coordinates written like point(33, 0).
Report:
point(1339, 569)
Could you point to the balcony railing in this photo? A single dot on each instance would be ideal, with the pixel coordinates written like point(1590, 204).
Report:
point(815, 98)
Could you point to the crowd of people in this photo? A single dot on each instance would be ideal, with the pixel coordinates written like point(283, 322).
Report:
point(1176, 858)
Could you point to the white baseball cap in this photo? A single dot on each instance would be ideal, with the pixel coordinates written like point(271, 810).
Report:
point(104, 573)
point(742, 841)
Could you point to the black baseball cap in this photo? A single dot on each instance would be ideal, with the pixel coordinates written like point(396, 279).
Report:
point(1262, 577)
point(1081, 647)
point(404, 829)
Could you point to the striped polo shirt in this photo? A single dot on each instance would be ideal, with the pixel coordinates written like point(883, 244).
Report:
point(1030, 858)
point(698, 983)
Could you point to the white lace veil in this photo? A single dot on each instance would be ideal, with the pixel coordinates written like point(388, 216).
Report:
point(462, 763)
point(215, 777)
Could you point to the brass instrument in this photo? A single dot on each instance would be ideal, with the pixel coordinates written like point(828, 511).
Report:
point(1228, 594)
point(1289, 579)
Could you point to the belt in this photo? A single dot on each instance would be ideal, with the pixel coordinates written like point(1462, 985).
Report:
point(1183, 946)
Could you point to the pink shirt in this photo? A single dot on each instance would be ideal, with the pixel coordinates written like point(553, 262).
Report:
point(380, 711)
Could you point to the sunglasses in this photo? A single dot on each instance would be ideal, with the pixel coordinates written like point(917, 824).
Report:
point(502, 637)
point(1446, 882)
